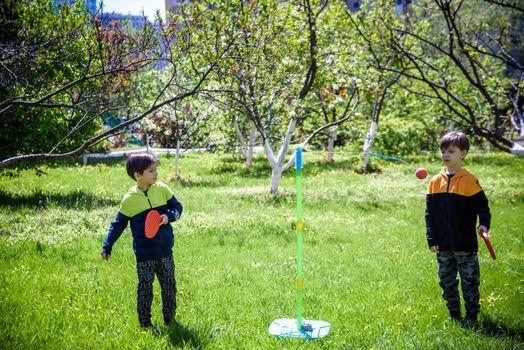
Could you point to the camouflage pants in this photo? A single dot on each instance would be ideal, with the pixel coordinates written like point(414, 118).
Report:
point(164, 269)
point(467, 265)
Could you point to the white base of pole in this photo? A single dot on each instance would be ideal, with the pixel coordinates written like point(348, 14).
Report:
point(287, 328)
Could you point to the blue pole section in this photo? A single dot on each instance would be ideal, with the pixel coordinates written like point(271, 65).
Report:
point(298, 159)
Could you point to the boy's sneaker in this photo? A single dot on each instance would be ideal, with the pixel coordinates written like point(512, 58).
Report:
point(170, 322)
point(470, 321)
point(150, 327)
point(454, 317)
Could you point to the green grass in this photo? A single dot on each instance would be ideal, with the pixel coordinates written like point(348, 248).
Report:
point(367, 267)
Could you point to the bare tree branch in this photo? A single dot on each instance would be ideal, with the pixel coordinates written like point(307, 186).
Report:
point(512, 4)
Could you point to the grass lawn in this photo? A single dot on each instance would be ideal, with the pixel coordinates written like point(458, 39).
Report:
point(367, 268)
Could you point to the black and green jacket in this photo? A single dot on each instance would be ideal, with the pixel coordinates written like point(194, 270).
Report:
point(134, 208)
point(452, 208)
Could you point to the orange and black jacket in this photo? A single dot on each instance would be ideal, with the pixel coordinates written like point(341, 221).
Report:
point(452, 208)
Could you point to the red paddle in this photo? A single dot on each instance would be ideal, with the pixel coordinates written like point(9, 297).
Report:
point(153, 221)
point(488, 244)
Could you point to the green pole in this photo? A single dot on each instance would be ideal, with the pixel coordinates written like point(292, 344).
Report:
point(300, 279)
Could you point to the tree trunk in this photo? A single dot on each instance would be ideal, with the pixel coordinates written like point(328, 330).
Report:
point(240, 138)
point(177, 156)
point(332, 136)
point(276, 175)
point(251, 146)
point(246, 149)
point(147, 140)
point(368, 142)
point(522, 126)
point(276, 162)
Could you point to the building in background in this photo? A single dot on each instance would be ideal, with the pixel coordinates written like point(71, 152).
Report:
point(401, 6)
point(174, 5)
point(171, 5)
point(128, 21)
point(90, 4)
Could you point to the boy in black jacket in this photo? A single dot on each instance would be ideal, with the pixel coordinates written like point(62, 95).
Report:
point(454, 200)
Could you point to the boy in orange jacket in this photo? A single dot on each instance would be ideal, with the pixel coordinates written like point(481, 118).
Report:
point(454, 201)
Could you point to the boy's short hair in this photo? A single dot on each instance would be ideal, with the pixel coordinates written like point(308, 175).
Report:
point(454, 138)
point(139, 162)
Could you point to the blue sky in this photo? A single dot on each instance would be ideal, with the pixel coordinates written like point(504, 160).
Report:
point(135, 7)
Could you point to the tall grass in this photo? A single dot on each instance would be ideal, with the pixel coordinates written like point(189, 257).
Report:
point(367, 267)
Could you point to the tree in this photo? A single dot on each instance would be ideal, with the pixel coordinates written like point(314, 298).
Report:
point(236, 128)
point(378, 54)
point(186, 51)
point(271, 70)
point(335, 93)
point(458, 50)
point(47, 79)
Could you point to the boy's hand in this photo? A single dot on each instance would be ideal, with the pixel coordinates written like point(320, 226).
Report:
point(165, 219)
point(435, 249)
point(105, 256)
point(482, 228)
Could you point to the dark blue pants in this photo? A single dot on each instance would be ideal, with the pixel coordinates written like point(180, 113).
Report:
point(164, 269)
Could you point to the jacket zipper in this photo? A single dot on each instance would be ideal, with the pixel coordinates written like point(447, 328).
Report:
point(447, 211)
point(147, 197)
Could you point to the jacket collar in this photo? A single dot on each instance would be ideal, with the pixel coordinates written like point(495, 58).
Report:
point(460, 173)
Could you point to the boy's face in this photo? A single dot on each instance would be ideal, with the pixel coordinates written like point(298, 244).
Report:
point(148, 177)
point(452, 156)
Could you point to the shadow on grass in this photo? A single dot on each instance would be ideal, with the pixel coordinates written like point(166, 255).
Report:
point(227, 165)
point(491, 328)
point(280, 199)
point(352, 164)
point(180, 336)
point(200, 182)
point(76, 199)
point(65, 163)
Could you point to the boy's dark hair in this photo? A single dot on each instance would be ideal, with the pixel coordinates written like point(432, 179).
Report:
point(454, 138)
point(139, 162)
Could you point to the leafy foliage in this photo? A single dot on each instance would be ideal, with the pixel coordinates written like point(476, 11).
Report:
point(456, 49)
point(266, 63)
point(42, 50)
